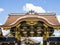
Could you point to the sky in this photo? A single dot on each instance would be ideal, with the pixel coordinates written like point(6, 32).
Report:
point(17, 6)
point(23, 6)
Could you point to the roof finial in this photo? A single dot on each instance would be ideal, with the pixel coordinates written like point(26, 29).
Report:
point(31, 12)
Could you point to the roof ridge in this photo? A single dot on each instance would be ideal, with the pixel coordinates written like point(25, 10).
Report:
point(34, 14)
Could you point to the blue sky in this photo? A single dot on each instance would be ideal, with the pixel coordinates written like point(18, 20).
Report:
point(16, 6)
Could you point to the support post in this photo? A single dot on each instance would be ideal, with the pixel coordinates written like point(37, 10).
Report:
point(45, 36)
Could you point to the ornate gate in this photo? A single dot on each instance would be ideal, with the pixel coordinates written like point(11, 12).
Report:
point(31, 25)
point(32, 29)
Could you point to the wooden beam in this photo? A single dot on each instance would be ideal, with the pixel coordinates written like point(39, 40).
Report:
point(6, 28)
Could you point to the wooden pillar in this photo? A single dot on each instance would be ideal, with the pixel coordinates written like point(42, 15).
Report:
point(45, 36)
point(17, 33)
point(44, 40)
point(18, 36)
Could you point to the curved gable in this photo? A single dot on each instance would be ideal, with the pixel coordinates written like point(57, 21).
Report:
point(14, 20)
point(35, 16)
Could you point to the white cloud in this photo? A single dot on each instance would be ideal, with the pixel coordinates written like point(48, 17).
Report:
point(29, 7)
point(58, 17)
point(5, 32)
point(57, 33)
point(1, 10)
point(0, 23)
